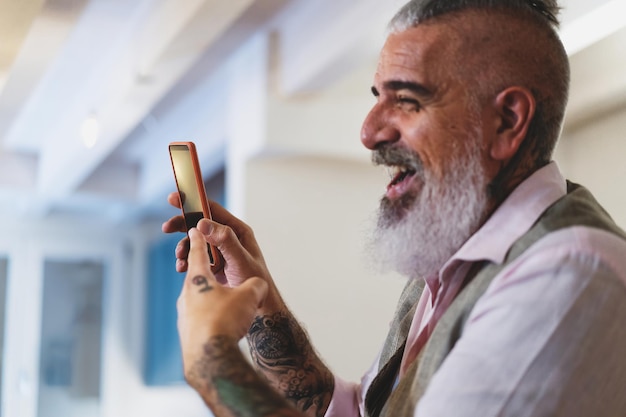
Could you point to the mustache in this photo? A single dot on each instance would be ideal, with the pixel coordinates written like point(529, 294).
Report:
point(397, 156)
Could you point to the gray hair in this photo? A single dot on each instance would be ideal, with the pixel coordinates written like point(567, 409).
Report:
point(542, 67)
point(417, 11)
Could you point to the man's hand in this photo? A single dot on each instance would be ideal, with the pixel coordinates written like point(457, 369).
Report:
point(235, 241)
point(211, 320)
point(207, 309)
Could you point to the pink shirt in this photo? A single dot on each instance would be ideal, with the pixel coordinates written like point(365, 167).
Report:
point(547, 338)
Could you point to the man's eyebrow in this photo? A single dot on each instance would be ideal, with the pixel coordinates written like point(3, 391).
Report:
point(396, 85)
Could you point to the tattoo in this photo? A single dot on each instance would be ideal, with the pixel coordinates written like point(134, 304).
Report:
point(202, 282)
point(230, 386)
point(281, 350)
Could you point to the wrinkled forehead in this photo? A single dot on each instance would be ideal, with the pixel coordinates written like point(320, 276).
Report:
point(425, 48)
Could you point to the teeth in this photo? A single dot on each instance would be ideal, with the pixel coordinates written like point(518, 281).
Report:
point(395, 170)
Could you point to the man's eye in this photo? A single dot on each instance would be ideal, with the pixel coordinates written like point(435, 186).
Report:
point(408, 103)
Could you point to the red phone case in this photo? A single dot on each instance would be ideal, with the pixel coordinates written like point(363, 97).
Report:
point(206, 211)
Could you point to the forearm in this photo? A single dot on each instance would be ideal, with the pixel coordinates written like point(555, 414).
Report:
point(231, 387)
point(282, 352)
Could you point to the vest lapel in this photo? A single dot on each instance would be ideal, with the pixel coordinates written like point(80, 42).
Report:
point(393, 348)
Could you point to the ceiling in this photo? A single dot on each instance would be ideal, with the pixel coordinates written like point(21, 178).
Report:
point(139, 68)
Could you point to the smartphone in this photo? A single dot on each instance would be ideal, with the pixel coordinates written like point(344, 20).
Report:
point(188, 176)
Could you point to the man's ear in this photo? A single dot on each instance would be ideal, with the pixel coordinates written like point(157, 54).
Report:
point(515, 108)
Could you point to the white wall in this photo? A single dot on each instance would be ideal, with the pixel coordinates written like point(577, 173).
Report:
point(592, 147)
point(312, 216)
point(594, 154)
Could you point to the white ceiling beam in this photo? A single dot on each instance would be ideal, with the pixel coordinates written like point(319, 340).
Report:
point(197, 109)
point(322, 41)
point(594, 22)
point(200, 118)
point(113, 179)
point(43, 42)
point(105, 83)
point(230, 104)
point(18, 171)
point(80, 72)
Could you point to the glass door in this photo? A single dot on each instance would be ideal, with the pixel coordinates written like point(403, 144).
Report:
point(71, 339)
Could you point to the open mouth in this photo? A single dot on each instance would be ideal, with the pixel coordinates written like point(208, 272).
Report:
point(404, 168)
point(401, 178)
point(399, 174)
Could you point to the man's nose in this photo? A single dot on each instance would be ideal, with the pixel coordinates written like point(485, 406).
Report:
point(378, 130)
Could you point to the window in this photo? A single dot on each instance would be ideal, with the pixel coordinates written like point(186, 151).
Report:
point(71, 339)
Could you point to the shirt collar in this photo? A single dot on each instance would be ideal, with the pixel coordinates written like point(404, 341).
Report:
point(513, 217)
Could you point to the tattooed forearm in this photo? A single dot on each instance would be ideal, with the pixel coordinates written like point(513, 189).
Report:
point(281, 350)
point(231, 387)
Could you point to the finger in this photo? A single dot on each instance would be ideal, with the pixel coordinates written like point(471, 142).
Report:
point(182, 248)
point(225, 239)
point(174, 199)
point(237, 236)
point(181, 265)
point(175, 224)
point(182, 252)
point(255, 289)
point(199, 278)
point(198, 259)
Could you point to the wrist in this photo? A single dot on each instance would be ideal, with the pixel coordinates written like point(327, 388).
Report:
point(273, 302)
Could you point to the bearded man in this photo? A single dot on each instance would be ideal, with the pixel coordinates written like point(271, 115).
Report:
point(515, 302)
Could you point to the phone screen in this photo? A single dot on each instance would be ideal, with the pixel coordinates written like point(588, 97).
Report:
point(185, 173)
point(190, 187)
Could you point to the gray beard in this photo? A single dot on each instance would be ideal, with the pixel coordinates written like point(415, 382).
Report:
point(441, 218)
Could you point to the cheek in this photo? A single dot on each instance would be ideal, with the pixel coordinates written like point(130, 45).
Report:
point(454, 139)
point(439, 141)
point(435, 146)
point(418, 137)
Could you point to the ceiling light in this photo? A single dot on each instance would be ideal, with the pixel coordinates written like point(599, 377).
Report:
point(90, 131)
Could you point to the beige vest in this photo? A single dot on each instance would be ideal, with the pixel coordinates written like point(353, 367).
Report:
point(577, 208)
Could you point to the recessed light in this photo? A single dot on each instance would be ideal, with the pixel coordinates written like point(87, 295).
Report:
point(90, 131)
